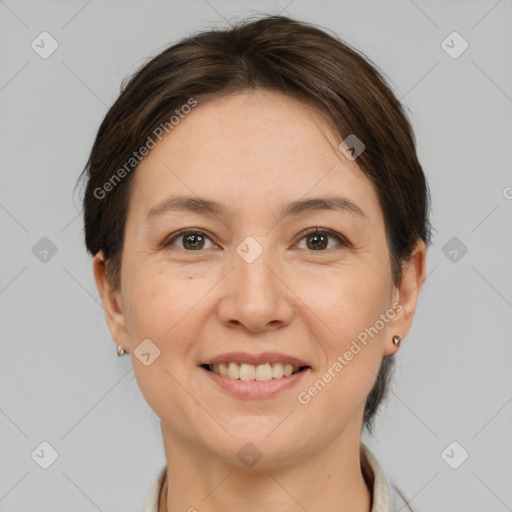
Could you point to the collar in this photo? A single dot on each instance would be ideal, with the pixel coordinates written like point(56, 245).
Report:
point(372, 473)
point(375, 480)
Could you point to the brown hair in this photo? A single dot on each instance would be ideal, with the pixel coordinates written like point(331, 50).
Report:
point(280, 54)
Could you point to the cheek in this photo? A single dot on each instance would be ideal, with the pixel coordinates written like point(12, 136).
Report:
point(168, 310)
point(162, 310)
point(348, 303)
point(351, 352)
point(154, 300)
point(351, 335)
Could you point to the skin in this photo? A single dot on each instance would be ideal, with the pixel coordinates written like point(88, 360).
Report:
point(255, 152)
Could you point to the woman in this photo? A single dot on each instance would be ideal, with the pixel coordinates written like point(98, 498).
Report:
point(258, 219)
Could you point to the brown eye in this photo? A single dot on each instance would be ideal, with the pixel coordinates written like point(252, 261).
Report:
point(319, 240)
point(193, 241)
point(189, 240)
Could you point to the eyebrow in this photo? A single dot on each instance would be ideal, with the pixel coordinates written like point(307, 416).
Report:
point(206, 206)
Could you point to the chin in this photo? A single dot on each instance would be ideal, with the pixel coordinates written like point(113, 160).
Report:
point(260, 444)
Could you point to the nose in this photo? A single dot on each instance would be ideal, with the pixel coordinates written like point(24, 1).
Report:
point(255, 295)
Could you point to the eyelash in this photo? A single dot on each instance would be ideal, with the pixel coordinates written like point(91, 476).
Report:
point(315, 231)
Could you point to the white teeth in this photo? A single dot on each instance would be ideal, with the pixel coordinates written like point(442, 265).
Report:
point(288, 370)
point(264, 372)
point(261, 372)
point(233, 371)
point(247, 372)
point(277, 370)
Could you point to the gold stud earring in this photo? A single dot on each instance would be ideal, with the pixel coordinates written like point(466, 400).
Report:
point(396, 340)
point(120, 351)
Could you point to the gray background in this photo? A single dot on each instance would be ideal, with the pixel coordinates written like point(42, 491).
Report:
point(61, 380)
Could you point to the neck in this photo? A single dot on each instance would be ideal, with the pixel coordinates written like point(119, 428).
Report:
point(329, 479)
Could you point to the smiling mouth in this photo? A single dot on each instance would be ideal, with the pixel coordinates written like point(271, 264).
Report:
point(260, 372)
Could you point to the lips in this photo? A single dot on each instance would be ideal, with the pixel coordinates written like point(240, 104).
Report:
point(242, 388)
point(255, 359)
point(261, 372)
point(266, 366)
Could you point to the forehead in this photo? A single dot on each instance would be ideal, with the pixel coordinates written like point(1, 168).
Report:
point(248, 150)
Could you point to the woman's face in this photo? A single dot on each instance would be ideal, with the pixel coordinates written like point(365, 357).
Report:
point(251, 277)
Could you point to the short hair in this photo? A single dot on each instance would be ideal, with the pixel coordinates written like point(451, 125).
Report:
point(280, 54)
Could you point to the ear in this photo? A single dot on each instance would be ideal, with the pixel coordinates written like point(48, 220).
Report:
point(406, 295)
point(112, 303)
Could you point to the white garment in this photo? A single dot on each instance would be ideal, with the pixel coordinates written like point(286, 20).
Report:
point(382, 500)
